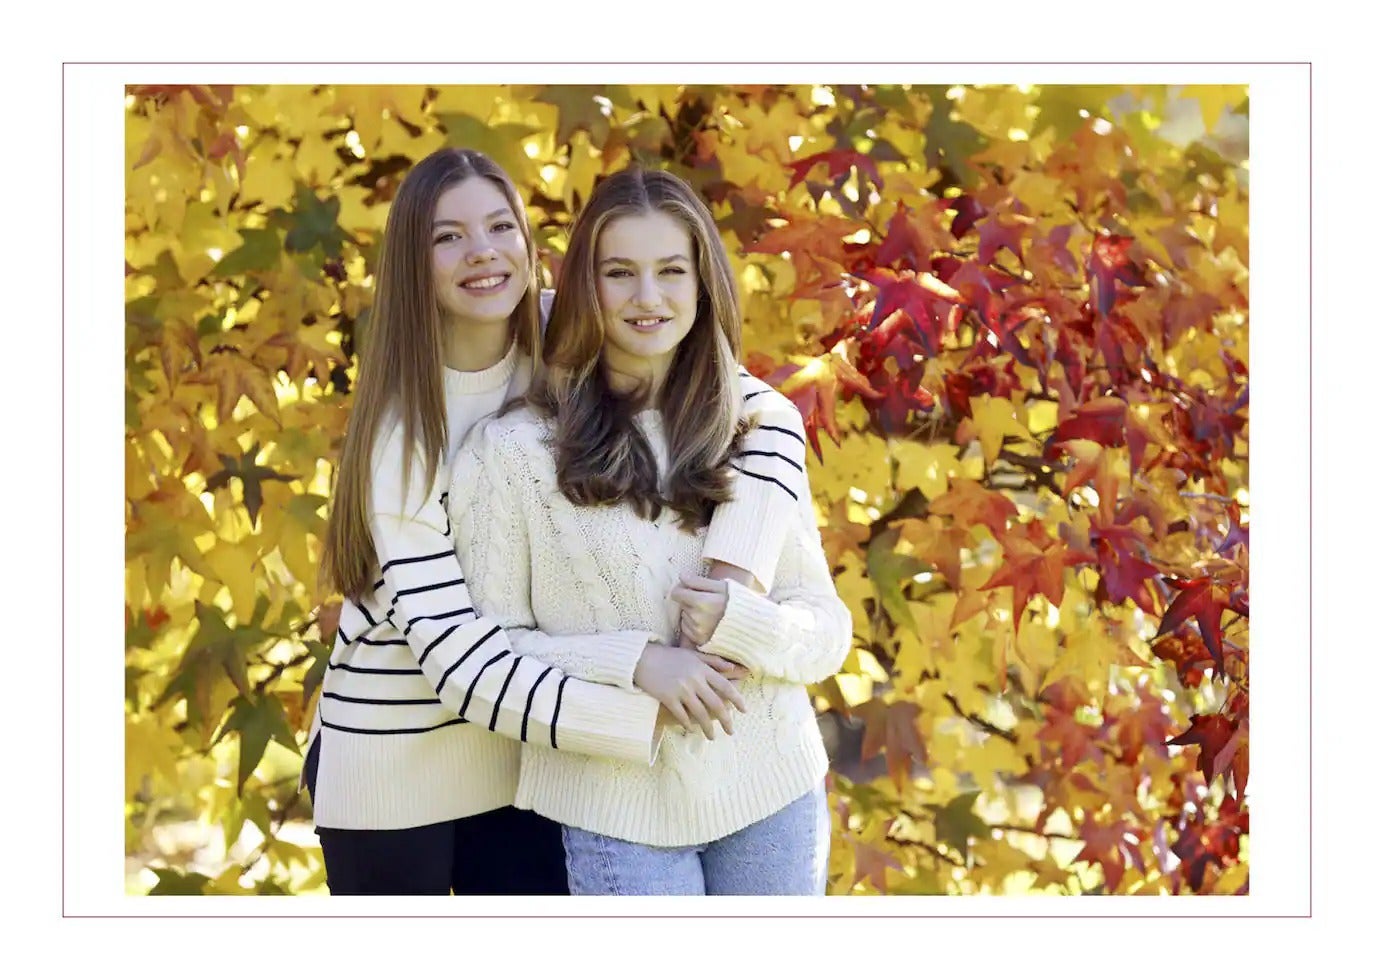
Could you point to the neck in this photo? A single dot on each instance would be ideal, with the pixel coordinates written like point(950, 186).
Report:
point(475, 346)
point(626, 378)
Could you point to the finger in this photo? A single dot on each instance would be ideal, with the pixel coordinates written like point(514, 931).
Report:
point(682, 595)
point(718, 708)
point(703, 584)
point(698, 711)
point(727, 690)
point(679, 714)
point(718, 663)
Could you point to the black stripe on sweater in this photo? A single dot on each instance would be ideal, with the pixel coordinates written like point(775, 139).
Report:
point(447, 615)
point(391, 731)
point(376, 670)
point(339, 697)
point(785, 431)
point(496, 708)
point(364, 641)
point(419, 558)
point(426, 588)
point(366, 615)
point(444, 679)
point(768, 479)
point(557, 706)
point(473, 686)
point(782, 456)
point(529, 705)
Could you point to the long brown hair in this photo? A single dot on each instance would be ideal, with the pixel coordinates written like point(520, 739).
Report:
point(400, 370)
point(601, 455)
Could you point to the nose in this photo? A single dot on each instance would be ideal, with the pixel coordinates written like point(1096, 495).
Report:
point(480, 251)
point(647, 292)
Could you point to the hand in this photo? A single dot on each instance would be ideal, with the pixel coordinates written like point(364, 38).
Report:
point(693, 687)
point(703, 606)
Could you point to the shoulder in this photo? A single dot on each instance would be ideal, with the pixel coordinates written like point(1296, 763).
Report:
point(513, 437)
point(765, 405)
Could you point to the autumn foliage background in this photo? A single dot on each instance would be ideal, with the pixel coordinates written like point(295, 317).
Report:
point(1015, 319)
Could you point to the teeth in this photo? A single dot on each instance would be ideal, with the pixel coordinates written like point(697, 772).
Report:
point(647, 323)
point(485, 283)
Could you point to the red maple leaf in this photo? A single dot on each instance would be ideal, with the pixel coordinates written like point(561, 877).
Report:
point(1112, 846)
point(1124, 576)
point(1203, 841)
point(968, 503)
point(932, 308)
point(1109, 263)
point(1186, 651)
point(1146, 724)
point(1212, 734)
point(891, 729)
point(1200, 600)
point(1076, 741)
point(816, 402)
point(967, 212)
point(838, 162)
point(1033, 564)
point(912, 237)
point(1002, 231)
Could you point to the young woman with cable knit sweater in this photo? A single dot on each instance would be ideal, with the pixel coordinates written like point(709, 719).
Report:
point(415, 743)
point(582, 513)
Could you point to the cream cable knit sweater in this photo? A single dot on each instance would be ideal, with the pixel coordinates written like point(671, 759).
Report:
point(553, 573)
point(423, 709)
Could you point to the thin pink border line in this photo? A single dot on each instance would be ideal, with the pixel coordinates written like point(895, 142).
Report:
point(865, 64)
point(63, 503)
point(1311, 647)
point(768, 915)
point(1310, 463)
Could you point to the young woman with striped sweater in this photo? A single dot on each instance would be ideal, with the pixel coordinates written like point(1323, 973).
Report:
point(583, 514)
point(415, 742)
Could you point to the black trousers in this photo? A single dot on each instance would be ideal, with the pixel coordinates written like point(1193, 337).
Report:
point(501, 852)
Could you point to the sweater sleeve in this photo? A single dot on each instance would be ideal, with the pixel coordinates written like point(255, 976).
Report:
point(749, 531)
point(466, 656)
point(800, 631)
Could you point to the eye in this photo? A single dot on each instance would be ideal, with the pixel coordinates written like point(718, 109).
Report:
point(675, 270)
point(503, 226)
point(617, 273)
point(447, 236)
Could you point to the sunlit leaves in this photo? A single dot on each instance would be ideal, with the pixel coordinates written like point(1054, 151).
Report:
point(1014, 319)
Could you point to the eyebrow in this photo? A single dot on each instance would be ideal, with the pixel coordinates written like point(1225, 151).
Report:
point(617, 259)
point(495, 214)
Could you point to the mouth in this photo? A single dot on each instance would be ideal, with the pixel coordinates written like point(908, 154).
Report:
point(647, 324)
point(486, 284)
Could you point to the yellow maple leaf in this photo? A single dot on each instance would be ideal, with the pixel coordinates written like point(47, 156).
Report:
point(994, 419)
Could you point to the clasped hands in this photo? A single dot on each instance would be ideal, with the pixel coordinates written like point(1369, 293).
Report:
point(695, 689)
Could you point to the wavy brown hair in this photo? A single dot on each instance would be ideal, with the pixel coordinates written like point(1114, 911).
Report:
point(400, 369)
point(601, 455)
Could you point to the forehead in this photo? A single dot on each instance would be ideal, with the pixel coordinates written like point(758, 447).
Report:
point(644, 237)
point(471, 199)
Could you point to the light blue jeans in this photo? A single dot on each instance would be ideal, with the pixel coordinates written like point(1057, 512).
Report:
point(784, 854)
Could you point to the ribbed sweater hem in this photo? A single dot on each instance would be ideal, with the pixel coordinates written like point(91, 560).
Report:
point(391, 782)
point(644, 814)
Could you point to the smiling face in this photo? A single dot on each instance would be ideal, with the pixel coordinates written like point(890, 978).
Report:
point(647, 289)
point(479, 255)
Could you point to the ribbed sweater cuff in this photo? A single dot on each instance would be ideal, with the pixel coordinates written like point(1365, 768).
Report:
point(606, 721)
point(748, 629)
point(749, 532)
point(619, 656)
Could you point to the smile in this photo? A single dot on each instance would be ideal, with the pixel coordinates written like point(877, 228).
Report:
point(647, 323)
point(486, 283)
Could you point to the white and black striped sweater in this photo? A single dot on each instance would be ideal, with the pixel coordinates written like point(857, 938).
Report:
point(423, 706)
